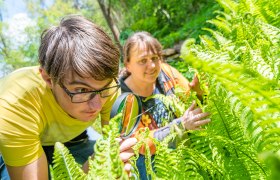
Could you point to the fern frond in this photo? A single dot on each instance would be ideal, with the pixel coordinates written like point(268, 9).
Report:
point(218, 36)
point(203, 165)
point(258, 97)
point(65, 166)
point(228, 5)
point(208, 43)
point(143, 138)
point(249, 6)
point(270, 11)
point(166, 159)
point(244, 154)
point(106, 163)
point(222, 24)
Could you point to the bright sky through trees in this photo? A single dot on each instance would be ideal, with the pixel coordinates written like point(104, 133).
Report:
point(11, 8)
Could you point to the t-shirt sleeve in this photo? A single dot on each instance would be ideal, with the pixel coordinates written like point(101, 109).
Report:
point(19, 134)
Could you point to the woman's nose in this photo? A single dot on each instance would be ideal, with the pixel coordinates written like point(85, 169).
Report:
point(151, 63)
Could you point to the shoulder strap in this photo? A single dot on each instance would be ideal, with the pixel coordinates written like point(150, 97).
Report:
point(117, 104)
point(129, 122)
point(170, 84)
point(173, 74)
point(169, 71)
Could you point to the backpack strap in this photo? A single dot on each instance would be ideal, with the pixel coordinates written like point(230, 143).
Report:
point(170, 79)
point(117, 104)
point(173, 75)
point(169, 72)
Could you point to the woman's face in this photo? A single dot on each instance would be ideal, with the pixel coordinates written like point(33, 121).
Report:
point(144, 65)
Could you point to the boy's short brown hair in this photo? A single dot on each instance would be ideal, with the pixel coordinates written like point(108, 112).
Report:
point(78, 46)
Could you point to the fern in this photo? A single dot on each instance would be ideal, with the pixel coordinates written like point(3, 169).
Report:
point(244, 111)
point(262, 102)
point(166, 160)
point(245, 155)
point(250, 40)
point(270, 11)
point(106, 163)
point(65, 166)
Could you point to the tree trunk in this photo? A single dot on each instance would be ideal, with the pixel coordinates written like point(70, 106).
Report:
point(107, 14)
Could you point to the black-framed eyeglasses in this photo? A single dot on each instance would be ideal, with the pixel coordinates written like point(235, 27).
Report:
point(80, 97)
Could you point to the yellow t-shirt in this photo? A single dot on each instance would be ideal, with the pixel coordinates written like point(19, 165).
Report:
point(31, 118)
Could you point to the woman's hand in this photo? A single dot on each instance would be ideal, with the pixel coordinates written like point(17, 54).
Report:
point(195, 86)
point(193, 118)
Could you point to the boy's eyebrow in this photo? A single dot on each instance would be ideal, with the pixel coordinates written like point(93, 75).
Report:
point(77, 82)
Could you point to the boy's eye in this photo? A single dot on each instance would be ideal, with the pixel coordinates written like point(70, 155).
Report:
point(81, 90)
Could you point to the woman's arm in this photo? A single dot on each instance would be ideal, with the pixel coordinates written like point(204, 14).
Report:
point(192, 119)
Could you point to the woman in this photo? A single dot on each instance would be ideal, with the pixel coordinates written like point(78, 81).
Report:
point(146, 74)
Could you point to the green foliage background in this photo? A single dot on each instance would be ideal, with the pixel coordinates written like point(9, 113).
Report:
point(26, 54)
point(237, 54)
point(170, 21)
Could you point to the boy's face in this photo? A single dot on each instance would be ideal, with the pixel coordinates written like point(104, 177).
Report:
point(84, 111)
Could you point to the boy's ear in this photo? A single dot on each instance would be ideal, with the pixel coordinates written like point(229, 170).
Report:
point(46, 77)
